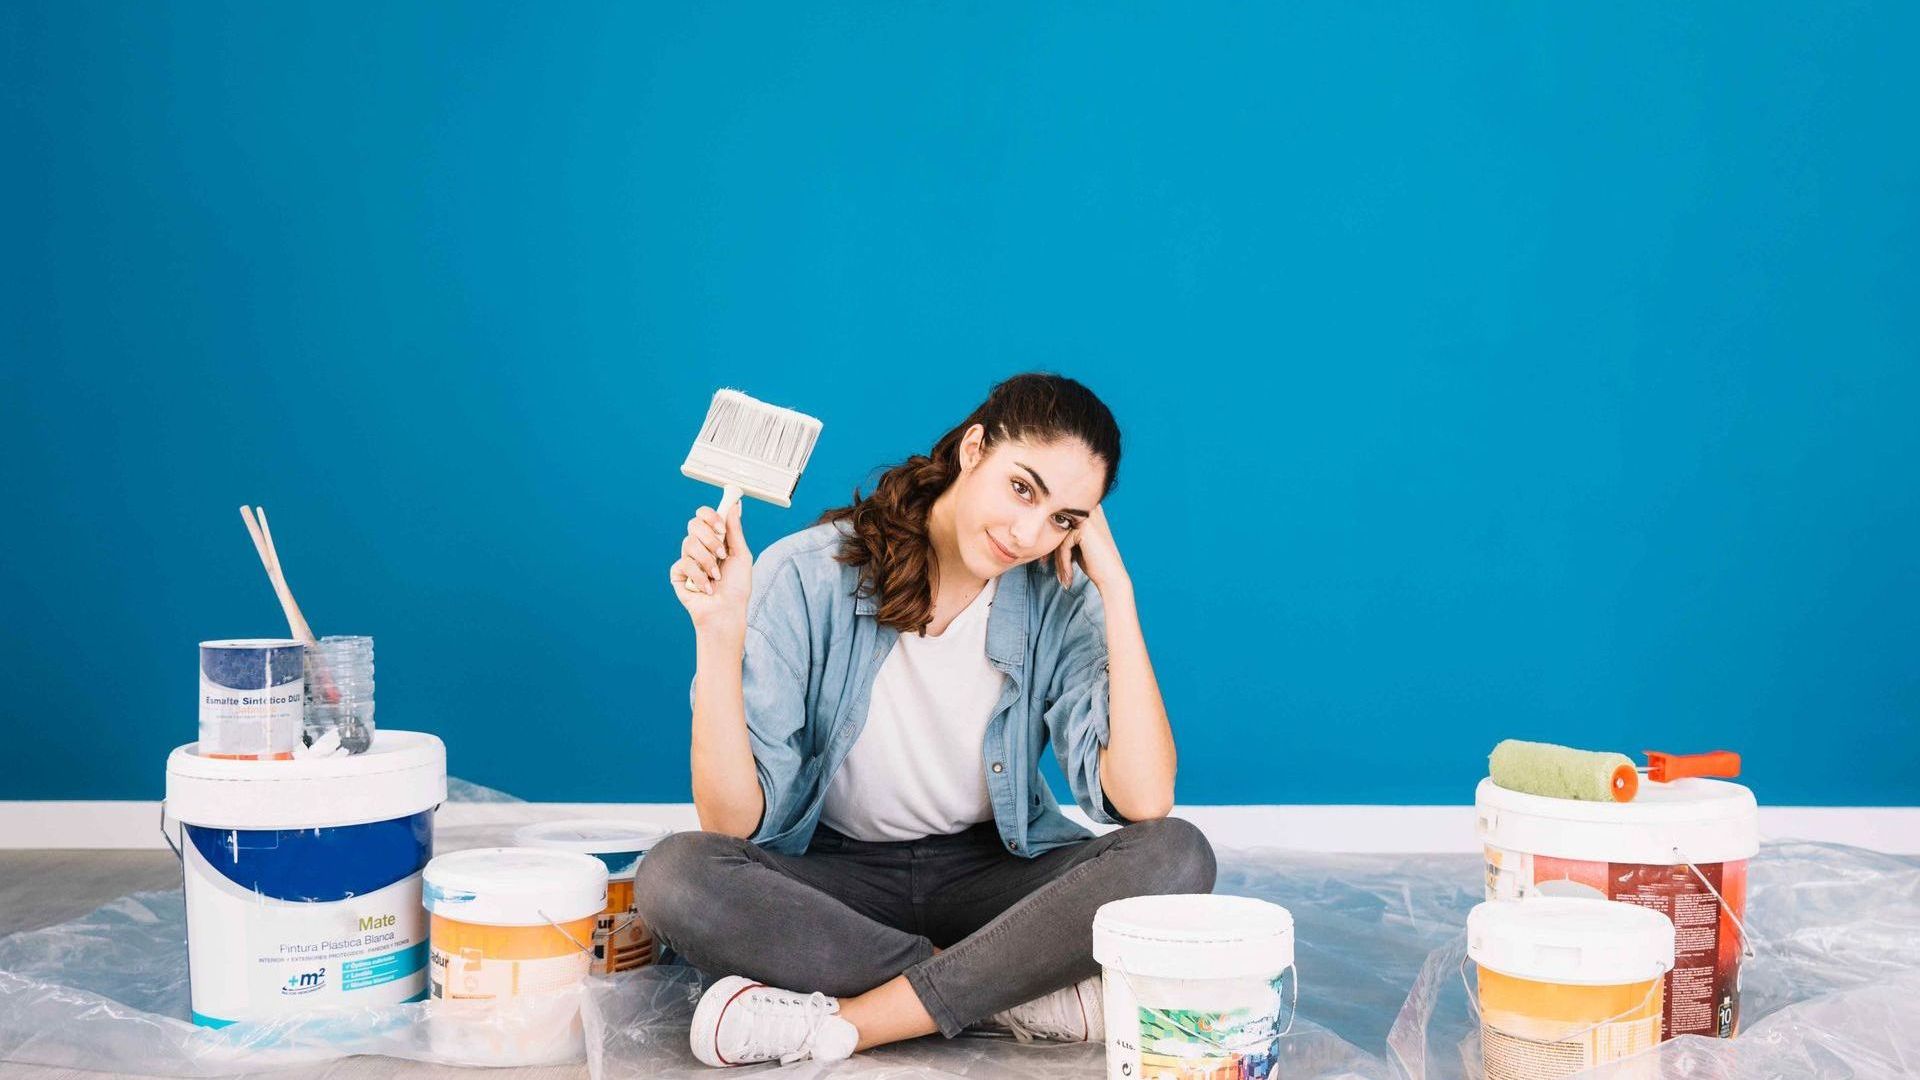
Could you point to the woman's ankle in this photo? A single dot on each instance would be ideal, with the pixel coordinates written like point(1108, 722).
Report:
point(888, 1013)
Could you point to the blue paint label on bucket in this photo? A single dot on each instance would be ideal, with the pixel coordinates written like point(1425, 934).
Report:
point(284, 921)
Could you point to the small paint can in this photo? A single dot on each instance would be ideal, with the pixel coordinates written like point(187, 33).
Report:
point(252, 696)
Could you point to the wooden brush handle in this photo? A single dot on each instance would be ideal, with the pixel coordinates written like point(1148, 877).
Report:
point(295, 621)
point(263, 543)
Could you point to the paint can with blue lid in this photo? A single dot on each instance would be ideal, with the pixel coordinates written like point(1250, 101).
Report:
point(303, 877)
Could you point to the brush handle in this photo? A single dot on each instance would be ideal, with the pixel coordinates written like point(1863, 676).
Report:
point(729, 495)
point(274, 578)
point(296, 622)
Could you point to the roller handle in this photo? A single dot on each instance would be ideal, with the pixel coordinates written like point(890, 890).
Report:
point(1666, 768)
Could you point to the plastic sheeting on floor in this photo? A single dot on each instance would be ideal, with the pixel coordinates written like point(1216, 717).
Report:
point(1833, 992)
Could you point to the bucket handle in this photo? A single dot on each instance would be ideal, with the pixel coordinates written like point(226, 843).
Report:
point(1747, 943)
point(167, 836)
point(587, 949)
point(1293, 1004)
point(621, 926)
point(1473, 1002)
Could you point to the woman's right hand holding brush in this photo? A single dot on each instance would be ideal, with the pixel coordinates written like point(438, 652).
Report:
point(713, 577)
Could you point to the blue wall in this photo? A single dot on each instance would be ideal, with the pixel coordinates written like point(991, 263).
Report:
point(1486, 369)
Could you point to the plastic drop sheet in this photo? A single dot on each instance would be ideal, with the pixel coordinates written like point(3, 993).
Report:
point(1833, 992)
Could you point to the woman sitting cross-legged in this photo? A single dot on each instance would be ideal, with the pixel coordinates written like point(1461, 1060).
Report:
point(881, 858)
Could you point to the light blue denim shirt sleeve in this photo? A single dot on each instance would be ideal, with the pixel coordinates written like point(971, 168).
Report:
point(1077, 696)
point(774, 688)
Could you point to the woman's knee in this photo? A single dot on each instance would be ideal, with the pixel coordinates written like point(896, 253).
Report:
point(1179, 856)
point(679, 877)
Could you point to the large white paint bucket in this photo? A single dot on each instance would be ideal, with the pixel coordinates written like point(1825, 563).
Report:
point(1566, 984)
point(303, 877)
point(1680, 849)
point(1193, 986)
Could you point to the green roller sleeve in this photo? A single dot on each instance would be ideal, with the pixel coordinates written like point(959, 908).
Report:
point(1561, 772)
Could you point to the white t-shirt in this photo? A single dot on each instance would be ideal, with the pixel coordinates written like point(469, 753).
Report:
point(916, 768)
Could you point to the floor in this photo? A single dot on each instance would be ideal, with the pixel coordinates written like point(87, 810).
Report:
point(40, 888)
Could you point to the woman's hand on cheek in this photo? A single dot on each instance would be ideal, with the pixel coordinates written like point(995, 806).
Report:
point(1092, 546)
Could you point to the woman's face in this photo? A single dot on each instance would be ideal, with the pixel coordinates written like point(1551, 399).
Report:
point(1016, 502)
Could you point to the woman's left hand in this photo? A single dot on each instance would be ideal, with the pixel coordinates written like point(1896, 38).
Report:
point(1091, 545)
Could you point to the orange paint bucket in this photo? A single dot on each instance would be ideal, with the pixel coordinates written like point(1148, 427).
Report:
point(508, 949)
point(1566, 984)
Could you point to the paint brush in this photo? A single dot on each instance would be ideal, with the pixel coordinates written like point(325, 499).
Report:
point(749, 447)
point(270, 558)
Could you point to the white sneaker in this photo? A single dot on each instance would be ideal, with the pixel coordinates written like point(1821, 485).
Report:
point(1074, 1013)
point(739, 1022)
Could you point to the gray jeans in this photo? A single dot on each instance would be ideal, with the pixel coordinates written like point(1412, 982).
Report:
point(849, 915)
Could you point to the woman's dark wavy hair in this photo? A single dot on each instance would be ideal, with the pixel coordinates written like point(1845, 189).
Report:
point(888, 539)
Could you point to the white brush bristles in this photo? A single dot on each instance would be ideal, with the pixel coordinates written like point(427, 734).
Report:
point(759, 448)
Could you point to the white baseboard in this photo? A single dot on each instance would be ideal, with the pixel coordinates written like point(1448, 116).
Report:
point(1355, 829)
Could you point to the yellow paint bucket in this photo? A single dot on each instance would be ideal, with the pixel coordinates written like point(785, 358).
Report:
point(1566, 984)
point(508, 949)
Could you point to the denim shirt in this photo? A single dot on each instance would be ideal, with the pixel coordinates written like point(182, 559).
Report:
point(813, 648)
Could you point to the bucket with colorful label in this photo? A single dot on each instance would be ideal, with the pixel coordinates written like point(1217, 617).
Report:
point(511, 942)
point(1194, 986)
point(620, 939)
point(1680, 849)
point(1566, 984)
point(303, 877)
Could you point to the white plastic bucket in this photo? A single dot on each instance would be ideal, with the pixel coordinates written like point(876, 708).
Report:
point(620, 940)
point(303, 877)
point(1680, 849)
point(1193, 986)
point(511, 933)
point(1566, 984)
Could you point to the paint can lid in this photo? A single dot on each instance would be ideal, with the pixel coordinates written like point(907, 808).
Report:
point(1194, 936)
point(619, 844)
point(515, 886)
point(1692, 820)
point(401, 774)
point(1574, 941)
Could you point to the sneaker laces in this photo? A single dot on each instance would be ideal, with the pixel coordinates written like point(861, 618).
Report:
point(786, 1011)
point(1021, 1032)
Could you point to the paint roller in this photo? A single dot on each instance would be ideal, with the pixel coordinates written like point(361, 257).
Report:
point(1562, 772)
